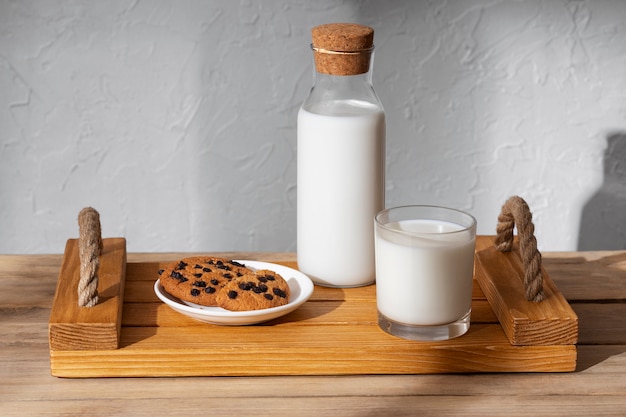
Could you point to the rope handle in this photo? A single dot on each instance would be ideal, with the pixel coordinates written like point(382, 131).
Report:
point(89, 251)
point(515, 212)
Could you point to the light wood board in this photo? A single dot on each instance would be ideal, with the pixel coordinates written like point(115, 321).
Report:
point(334, 333)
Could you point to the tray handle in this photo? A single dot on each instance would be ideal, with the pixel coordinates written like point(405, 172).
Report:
point(515, 212)
point(90, 249)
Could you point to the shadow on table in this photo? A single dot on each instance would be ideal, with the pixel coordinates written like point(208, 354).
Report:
point(595, 287)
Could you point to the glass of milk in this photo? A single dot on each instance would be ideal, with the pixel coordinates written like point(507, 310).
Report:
point(424, 271)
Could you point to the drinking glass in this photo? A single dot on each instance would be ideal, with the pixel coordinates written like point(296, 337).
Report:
point(424, 271)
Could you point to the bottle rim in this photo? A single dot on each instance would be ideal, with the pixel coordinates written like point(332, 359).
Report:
point(331, 52)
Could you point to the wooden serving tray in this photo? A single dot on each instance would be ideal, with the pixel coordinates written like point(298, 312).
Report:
point(334, 333)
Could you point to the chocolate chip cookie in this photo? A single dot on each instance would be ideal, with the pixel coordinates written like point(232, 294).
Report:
point(200, 279)
point(259, 290)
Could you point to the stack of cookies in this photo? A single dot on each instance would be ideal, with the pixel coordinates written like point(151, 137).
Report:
point(210, 281)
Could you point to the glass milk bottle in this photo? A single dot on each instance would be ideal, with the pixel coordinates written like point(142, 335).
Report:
point(341, 160)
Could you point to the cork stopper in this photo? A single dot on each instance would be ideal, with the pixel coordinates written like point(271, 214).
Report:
point(342, 48)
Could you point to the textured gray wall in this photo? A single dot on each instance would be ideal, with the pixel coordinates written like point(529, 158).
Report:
point(176, 120)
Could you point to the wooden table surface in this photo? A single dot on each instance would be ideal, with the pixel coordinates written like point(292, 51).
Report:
point(593, 282)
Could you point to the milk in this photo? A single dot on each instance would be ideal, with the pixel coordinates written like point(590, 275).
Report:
point(424, 276)
point(341, 159)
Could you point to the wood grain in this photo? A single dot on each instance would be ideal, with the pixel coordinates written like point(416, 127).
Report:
point(73, 327)
point(334, 333)
point(549, 322)
point(593, 282)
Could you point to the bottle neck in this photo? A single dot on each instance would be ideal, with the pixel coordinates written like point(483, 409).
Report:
point(344, 86)
point(331, 87)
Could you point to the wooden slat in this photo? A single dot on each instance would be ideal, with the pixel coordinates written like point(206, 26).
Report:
point(312, 314)
point(602, 323)
point(89, 328)
point(588, 276)
point(549, 322)
point(365, 404)
point(309, 350)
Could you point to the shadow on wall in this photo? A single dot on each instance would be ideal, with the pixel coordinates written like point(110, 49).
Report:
point(603, 220)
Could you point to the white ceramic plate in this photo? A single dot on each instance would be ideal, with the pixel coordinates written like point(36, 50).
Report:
point(300, 286)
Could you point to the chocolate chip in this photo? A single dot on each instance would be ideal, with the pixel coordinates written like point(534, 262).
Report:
point(246, 286)
point(221, 265)
point(232, 294)
point(260, 289)
point(239, 274)
point(200, 284)
point(181, 265)
point(227, 275)
point(161, 271)
point(268, 296)
point(262, 278)
point(206, 269)
point(215, 282)
point(209, 290)
point(279, 292)
point(198, 266)
point(237, 264)
point(197, 275)
point(195, 292)
point(178, 276)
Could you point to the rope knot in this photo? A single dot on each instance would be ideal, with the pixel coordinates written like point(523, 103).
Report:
point(515, 212)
